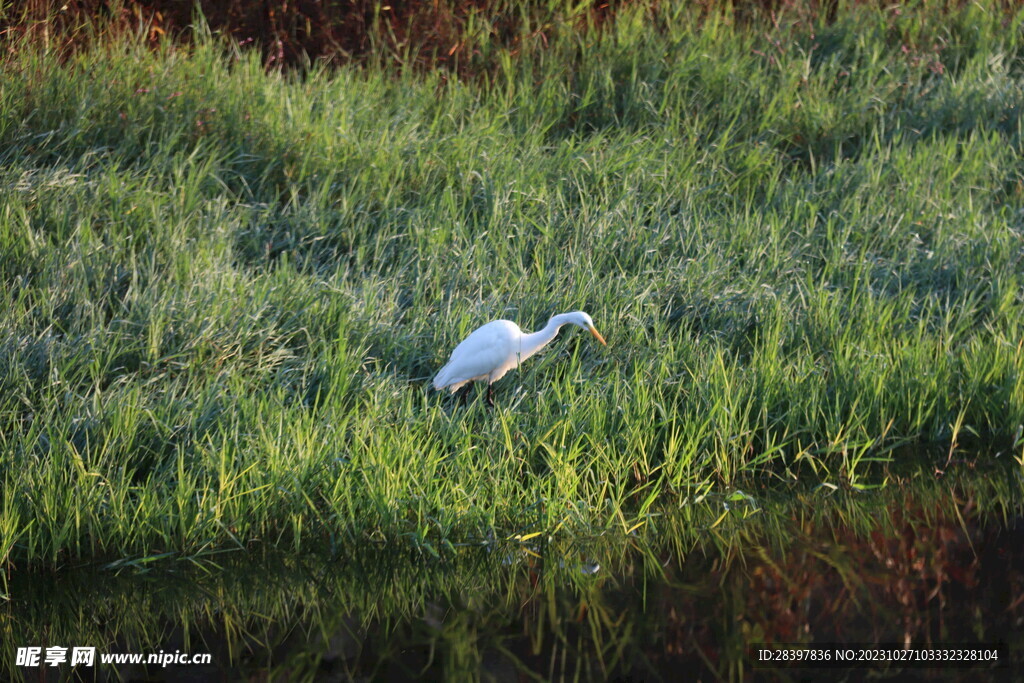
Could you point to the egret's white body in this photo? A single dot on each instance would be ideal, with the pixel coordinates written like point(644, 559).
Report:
point(492, 350)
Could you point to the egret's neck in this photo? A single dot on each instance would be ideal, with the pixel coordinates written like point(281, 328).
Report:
point(530, 344)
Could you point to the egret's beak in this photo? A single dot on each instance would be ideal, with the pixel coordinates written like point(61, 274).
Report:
point(593, 331)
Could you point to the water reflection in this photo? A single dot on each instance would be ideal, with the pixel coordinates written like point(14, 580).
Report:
point(917, 562)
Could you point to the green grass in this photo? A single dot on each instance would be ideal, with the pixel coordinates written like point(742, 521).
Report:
point(224, 291)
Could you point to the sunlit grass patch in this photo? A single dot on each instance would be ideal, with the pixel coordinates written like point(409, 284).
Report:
point(225, 290)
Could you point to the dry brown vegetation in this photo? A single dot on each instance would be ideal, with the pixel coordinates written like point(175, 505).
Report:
point(289, 32)
point(446, 34)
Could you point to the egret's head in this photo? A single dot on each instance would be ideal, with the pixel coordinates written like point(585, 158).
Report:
point(583, 320)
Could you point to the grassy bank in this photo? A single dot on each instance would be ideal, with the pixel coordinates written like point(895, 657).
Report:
point(225, 290)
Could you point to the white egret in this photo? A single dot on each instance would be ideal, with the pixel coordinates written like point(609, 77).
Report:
point(495, 348)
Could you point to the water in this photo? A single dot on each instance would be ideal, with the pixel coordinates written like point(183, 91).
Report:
point(920, 561)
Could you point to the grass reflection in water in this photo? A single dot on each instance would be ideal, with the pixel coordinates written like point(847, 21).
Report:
point(921, 561)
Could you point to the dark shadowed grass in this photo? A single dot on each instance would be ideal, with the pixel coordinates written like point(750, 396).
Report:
point(225, 290)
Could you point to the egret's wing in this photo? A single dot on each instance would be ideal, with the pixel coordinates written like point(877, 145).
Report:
point(487, 348)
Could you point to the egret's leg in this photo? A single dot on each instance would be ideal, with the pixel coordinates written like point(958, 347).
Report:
point(490, 396)
point(464, 393)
